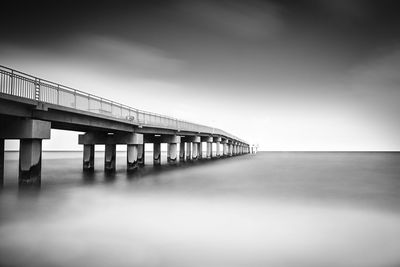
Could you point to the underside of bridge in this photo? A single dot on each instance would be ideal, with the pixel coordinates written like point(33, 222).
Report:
point(31, 122)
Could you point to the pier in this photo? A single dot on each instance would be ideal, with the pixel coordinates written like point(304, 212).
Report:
point(30, 107)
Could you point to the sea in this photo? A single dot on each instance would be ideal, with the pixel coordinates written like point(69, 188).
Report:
point(267, 209)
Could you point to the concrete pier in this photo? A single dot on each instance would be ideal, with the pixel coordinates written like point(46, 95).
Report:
point(188, 151)
point(157, 153)
point(157, 140)
point(30, 132)
point(191, 146)
point(225, 148)
point(131, 158)
point(88, 157)
point(1, 162)
point(208, 140)
point(172, 152)
point(195, 151)
point(182, 151)
point(110, 140)
point(30, 161)
point(200, 152)
point(209, 150)
point(141, 155)
point(110, 154)
point(217, 141)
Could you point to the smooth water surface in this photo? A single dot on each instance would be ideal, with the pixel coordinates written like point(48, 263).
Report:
point(269, 209)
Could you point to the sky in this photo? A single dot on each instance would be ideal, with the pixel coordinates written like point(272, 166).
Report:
point(286, 75)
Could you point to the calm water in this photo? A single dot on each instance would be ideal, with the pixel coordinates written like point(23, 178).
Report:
point(269, 209)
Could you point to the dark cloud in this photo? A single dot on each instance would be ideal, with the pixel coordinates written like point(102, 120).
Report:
point(49, 21)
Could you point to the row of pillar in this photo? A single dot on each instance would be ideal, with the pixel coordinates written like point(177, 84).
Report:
point(31, 132)
point(190, 148)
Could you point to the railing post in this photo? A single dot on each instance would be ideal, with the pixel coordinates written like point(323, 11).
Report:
point(101, 105)
point(58, 94)
point(12, 82)
point(75, 99)
point(88, 102)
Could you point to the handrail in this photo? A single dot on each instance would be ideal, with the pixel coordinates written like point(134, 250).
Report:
point(24, 85)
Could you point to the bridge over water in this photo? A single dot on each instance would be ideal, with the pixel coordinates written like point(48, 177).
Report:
point(30, 107)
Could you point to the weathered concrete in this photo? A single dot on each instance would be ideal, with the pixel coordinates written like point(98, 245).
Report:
point(200, 152)
point(1, 162)
point(172, 152)
point(182, 151)
point(25, 129)
point(30, 132)
point(88, 157)
point(191, 139)
point(217, 140)
point(151, 138)
point(156, 153)
point(218, 149)
point(188, 151)
point(110, 157)
point(131, 157)
point(209, 150)
point(208, 139)
point(195, 151)
point(225, 149)
point(141, 155)
point(30, 162)
point(99, 138)
point(132, 140)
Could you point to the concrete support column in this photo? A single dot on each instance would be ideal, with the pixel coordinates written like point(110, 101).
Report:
point(200, 152)
point(209, 150)
point(30, 161)
point(30, 132)
point(172, 152)
point(189, 151)
point(88, 157)
point(131, 157)
point(225, 149)
point(218, 152)
point(157, 153)
point(110, 157)
point(141, 155)
point(195, 151)
point(182, 151)
point(1, 162)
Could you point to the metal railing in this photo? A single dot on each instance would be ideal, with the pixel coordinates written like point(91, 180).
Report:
point(23, 85)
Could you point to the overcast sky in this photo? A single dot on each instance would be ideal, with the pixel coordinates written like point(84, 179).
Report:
point(288, 75)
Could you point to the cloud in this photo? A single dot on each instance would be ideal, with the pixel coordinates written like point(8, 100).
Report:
point(249, 21)
point(379, 73)
point(108, 55)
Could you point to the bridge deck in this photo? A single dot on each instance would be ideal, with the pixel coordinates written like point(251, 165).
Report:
point(24, 95)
